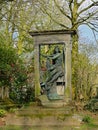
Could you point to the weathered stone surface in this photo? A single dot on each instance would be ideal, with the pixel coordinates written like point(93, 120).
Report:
point(58, 37)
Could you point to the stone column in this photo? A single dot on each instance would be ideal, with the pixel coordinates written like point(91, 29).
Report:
point(36, 70)
point(68, 89)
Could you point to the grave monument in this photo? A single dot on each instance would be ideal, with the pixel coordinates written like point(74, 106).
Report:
point(53, 66)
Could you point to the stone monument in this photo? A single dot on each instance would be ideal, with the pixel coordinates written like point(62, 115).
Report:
point(53, 82)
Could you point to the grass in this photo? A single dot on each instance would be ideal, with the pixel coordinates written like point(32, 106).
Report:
point(37, 128)
point(42, 114)
point(60, 114)
point(89, 126)
point(82, 127)
point(10, 128)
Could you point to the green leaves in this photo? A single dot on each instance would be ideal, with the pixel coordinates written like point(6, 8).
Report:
point(10, 64)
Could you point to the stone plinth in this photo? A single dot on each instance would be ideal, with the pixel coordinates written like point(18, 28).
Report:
point(51, 103)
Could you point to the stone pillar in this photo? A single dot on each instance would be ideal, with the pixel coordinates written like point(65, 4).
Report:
point(36, 71)
point(68, 89)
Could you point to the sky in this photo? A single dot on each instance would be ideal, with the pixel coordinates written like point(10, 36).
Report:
point(86, 34)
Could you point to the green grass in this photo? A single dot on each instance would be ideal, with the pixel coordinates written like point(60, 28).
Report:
point(85, 126)
point(37, 128)
point(89, 123)
point(88, 126)
point(11, 128)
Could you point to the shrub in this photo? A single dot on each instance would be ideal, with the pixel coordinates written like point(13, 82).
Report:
point(12, 110)
point(87, 119)
point(2, 113)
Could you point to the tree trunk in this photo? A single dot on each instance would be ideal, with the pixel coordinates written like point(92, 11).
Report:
point(75, 64)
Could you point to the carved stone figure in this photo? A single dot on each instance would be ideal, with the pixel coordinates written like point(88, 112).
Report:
point(55, 69)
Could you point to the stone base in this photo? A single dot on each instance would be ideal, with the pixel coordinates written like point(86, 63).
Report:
point(51, 103)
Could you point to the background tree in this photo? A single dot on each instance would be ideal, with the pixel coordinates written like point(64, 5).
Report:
point(70, 15)
point(8, 60)
point(17, 18)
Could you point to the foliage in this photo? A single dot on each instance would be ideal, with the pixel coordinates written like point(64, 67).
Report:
point(84, 72)
point(87, 119)
point(8, 59)
point(22, 94)
point(92, 105)
point(20, 91)
point(11, 66)
point(12, 110)
point(13, 74)
point(2, 113)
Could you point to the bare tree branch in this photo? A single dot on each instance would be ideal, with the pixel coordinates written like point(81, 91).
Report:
point(88, 7)
point(45, 11)
point(93, 29)
point(80, 3)
point(81, 20)
point(96, 3)
point(70, 6)
point(94, 24)
point(62, 11)
point(62, 25)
